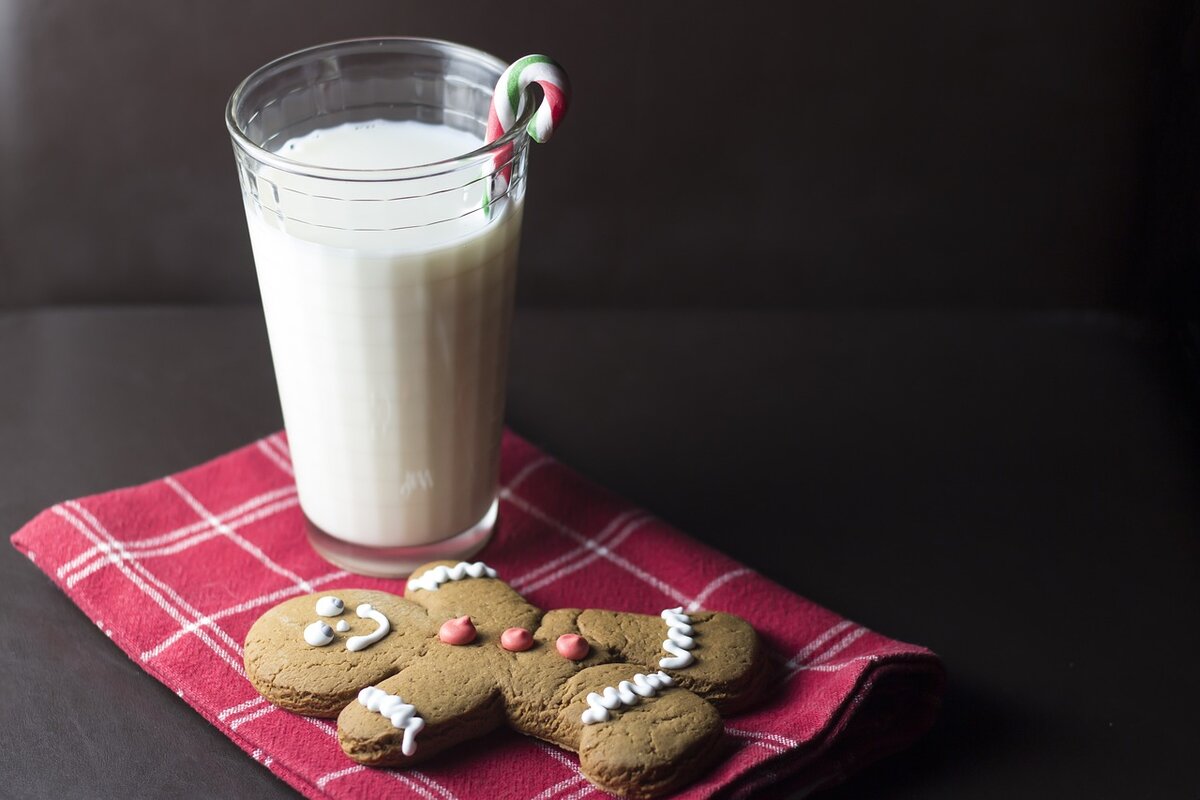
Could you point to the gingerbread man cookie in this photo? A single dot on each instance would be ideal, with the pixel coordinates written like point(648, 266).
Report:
point(638, 697)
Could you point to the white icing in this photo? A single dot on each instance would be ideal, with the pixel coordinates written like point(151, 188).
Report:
point(356, 643)
point(679, 639)
point(398, 712)
point(318, 634)
point(430, 580)
point(330, 606)
point(625, 693)
point(342, 626)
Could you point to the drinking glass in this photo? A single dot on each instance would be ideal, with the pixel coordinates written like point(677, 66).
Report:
point(388, 294)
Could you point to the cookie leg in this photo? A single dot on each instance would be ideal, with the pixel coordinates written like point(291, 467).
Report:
point(418, 713)
point(718, 656)
point(646, 748)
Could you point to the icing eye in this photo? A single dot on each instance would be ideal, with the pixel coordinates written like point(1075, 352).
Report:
point(330, 606)
point(318, 634)
point(343, 626)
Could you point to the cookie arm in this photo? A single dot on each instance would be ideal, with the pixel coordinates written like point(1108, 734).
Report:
point(428, 707)
point(451, 589)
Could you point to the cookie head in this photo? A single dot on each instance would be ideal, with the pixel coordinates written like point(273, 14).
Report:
point(313, 654)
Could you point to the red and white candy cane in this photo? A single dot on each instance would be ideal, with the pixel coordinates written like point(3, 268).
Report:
point(508, 101)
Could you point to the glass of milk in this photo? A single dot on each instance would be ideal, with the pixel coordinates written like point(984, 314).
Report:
point(385, 237)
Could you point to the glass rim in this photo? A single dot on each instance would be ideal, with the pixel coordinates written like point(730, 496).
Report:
point(414, 171)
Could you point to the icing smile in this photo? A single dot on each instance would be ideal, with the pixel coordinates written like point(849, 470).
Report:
point(366, 610)
point(320, 634)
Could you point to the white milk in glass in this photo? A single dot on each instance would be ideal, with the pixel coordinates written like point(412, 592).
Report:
point(389, 326)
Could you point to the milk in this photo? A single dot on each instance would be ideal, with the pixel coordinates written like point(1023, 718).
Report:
point(389, 346)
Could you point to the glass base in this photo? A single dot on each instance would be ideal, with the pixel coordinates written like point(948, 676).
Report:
point(399, 562)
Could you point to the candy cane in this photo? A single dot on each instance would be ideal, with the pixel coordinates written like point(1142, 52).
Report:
point(508, 101)
point(509, 98)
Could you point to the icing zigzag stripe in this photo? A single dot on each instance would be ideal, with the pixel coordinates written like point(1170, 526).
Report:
point(400, 713)
point(679, 639)
point(624, 693)
point(430, 580)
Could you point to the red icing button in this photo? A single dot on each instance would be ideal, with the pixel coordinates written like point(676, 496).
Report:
point(516, 640)
point(457, 631)
point(573, 647)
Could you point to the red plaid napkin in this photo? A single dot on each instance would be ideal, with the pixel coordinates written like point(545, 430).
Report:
point(176, 570)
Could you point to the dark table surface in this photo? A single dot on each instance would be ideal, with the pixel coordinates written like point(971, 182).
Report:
point(1017, 491)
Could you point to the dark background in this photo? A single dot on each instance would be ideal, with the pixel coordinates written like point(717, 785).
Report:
point(891, 301)
point(820, 155)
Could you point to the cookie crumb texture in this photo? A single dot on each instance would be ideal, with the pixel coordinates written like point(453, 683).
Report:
point(654, 738)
